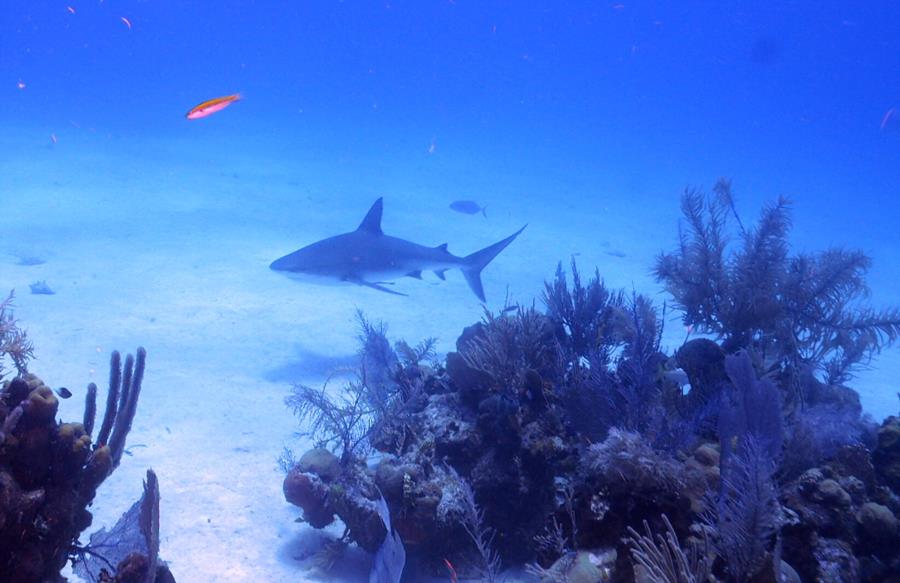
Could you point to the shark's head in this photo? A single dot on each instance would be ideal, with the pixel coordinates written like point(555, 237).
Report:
point(322, 262)
point(335, 259)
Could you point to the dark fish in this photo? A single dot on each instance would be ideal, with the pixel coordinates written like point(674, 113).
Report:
point(29, 260)
point(64, 392)
point(615, 253)
point(468, 207)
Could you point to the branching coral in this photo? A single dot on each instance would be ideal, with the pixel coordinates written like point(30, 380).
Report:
point(796, 311)
point(509, 346)
point(14, 342)
point(370, 403)
point(585, 317)
point(472, 520)
point(339, 423)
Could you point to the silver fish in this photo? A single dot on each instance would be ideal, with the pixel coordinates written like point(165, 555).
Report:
point(468, 207)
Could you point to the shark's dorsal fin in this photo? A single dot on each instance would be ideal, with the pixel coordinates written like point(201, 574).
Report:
point(442, 247)
point(372, 223)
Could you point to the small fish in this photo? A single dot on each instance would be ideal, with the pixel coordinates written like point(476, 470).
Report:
point(20, 84)
point(615, 253)
point(453, 576)
point(212, 106)
point(126, 21)
point(468, 207)
point(70, 9)
point(30, 260)
point(53, 138)
point(64, 392)
point(888, 116)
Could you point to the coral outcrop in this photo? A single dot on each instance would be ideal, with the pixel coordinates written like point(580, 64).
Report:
point(568, 439)
point(50, 471)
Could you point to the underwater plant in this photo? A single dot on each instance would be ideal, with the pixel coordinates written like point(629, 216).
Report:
point(795, 311)
point(369, 405)
point(508, 346)
point(584, 317)
point(14, 343)
point(482, 536)
point(338, 423)
point(608, 346)
point(662, 558)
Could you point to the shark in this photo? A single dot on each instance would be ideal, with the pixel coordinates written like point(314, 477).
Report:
point(368, 257)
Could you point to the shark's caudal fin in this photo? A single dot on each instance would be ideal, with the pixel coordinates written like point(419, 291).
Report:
point(474, 263)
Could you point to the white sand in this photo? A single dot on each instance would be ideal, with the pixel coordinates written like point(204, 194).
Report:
point(174, 256)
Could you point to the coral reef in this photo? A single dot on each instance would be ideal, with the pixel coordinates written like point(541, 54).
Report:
point(552, 437)
point(50, 471)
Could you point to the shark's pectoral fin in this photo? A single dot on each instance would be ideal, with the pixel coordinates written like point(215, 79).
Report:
point(417, 274)
point(378, 286)
point(440, 273)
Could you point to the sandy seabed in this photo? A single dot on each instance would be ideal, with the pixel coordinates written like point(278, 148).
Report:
point(174, 257)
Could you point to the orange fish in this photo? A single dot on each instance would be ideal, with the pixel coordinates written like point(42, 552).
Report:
point(212, 106)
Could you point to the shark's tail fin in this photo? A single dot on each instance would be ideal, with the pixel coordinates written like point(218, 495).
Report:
point(474, 263)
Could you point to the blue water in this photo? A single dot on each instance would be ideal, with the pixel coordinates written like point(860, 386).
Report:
point(583, 119)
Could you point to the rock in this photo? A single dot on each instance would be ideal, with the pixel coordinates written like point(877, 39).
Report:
point(707, 454)
point(321, 462)
point(817, 394)
point(583, 567)
point(877, 521)
point(309, 493)
point(830, 492)
point(809, 480)
point(836, 562)
point(704, 363)
point(886, 457)
point(855, 487)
